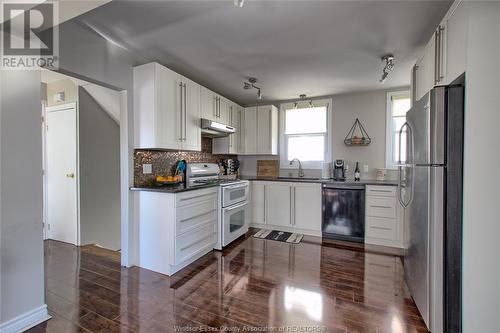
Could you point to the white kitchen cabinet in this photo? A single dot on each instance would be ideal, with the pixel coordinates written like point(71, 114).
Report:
point(384, 221)
point(230, 144)
point(191, 104)
point(307, 206)
point(260, 130)
point(258, 201)
point(455, 41)
point(424, 73)
point(215, 107)
point(166, 109)
point(445, 56)
point(208, 104)
point(278, 204)
point(287, 206)
point(250, 130)
point(175, 229)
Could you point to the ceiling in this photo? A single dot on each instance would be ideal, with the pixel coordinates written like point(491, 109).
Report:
point(292, 47)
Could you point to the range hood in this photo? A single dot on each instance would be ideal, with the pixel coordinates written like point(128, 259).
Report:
point(214, 129)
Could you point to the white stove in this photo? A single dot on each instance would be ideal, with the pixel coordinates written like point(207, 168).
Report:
point(233, 200)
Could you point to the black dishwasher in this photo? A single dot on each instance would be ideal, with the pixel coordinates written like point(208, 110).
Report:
point(344, 212)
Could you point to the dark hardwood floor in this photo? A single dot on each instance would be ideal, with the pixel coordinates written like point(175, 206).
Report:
point(254, 283)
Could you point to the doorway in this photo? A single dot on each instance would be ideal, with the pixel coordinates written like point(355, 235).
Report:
point(61, 158)
point(82, 190)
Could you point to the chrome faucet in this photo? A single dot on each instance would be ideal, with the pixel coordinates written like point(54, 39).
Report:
point(301, 172)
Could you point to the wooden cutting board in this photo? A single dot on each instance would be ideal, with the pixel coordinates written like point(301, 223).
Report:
point(268, 168)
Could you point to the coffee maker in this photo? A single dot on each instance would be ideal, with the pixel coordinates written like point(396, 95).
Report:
point(339, 170)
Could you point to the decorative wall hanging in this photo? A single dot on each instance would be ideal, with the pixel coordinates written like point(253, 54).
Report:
point(357, 135)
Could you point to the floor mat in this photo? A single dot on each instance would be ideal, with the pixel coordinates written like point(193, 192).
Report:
point(280, 236)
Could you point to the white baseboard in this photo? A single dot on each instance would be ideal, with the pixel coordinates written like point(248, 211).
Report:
point(26, 320)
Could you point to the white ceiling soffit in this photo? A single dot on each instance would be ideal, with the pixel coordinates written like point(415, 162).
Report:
point(292, 47)
point(68, 9)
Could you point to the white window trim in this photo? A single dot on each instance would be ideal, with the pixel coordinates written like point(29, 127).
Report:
point(388, 127)
point(284, 162)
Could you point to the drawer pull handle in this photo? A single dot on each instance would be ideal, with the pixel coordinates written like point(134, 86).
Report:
point(196, 242)
point(381, 228)
point(196, 216)
point(385, 191)
point(375, 206)
point(198, 196)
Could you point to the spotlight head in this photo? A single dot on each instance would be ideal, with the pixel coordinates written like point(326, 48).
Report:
point(247, 85)
point(238, 3)
point(252, 80)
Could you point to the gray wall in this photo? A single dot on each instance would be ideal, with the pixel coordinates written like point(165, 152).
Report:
point(370, 108)
point(21, 254)
point(481, 224)
point(86, 55)
point(99, 148)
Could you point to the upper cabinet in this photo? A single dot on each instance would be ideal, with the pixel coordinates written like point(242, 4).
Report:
point(231, 144)
point(215, 107)
point(260, 130)
point(455, 42)
point(444, 57)
point(166, 109)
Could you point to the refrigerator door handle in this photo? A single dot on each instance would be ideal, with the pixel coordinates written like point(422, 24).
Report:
point(400, 167)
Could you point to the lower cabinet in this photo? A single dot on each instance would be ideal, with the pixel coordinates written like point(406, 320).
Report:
point(176, 229)
point(278, 204)
point(384, 222)
point(287, 206)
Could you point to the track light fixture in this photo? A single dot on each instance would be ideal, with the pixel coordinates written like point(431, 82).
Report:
point(251, 84)
point(389, 66)
point(303, 99)
point(238, 3)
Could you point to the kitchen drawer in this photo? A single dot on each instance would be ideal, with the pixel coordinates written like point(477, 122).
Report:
point(381, 207)
point(192, 243)
point(193, 216)
point(381, 191)
point(195, 196)
point(381, 228)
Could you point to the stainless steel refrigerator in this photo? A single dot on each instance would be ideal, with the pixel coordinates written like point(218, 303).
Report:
point(430, 190)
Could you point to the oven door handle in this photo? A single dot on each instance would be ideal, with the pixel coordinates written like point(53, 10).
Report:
point(232, 187)
point(235, 207)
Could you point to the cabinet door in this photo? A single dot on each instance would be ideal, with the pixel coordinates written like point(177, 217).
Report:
point(191, 122)
point(278, 205)
point(223, 115)
point(250, 130)
point(456, 46)
point(425, 74)
point(258, 195)
point(307, 206)
point(168, 108)
point(207, 104)
point(264, 135)
point(234, 120)
point(241, 130)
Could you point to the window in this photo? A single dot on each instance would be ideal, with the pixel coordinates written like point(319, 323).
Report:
point(305, 133)
point(398, 103)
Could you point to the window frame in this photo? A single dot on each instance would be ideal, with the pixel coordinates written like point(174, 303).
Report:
point(389, 144)
point(284, 162)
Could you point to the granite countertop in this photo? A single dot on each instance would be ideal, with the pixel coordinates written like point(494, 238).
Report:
point(322, 181)
point(173, 189)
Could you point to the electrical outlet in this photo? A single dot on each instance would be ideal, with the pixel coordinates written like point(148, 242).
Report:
point(147, 169)
point(365, 168)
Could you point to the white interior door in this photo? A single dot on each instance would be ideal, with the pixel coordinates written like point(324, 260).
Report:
point(62, 210)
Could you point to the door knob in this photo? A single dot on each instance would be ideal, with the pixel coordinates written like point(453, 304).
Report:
point(70, 175)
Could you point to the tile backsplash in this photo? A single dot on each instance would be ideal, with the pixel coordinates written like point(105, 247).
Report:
point(163, 161)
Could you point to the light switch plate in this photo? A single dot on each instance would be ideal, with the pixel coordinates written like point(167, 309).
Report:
point(365, 168)
point(147, 169)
